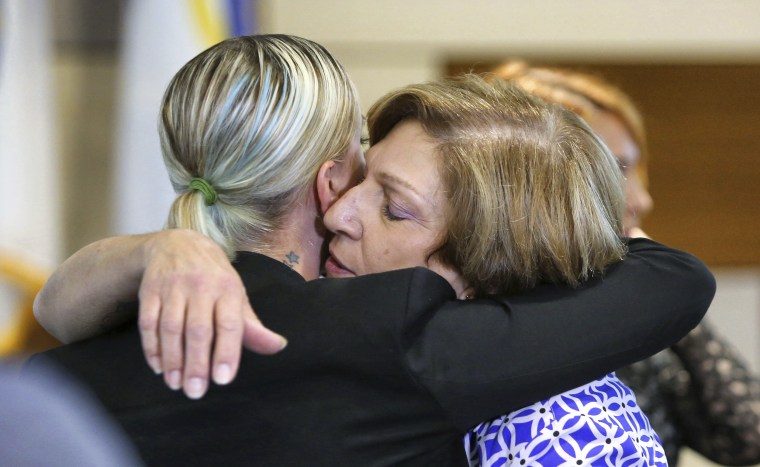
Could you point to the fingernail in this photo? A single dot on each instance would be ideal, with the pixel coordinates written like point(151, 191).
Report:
point(195, 388)
point(174, 380)
point(155, 364)
point(222, 374)
point(284, 343)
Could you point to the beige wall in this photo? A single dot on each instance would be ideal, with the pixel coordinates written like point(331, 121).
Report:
point(390, 43)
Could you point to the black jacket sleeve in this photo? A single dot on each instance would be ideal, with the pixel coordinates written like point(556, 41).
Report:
point(484, 358)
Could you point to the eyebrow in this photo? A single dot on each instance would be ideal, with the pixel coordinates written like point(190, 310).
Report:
point(388, 178)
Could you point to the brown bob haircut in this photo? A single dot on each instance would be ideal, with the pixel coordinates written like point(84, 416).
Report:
point(533, 195)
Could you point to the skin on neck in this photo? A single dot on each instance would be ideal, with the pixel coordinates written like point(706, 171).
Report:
point(299, 243)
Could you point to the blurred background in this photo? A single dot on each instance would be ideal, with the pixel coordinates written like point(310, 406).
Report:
point(81, 82)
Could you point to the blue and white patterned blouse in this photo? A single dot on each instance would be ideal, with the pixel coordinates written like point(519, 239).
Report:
point(599, 424)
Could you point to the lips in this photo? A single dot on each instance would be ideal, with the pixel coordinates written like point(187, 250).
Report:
point(335, 268)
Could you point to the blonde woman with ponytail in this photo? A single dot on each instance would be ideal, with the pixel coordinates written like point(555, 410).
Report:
point(244, 131)
point(245, 128)
point(261, 137)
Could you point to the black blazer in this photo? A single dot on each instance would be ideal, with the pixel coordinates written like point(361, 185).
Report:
point(390, 369)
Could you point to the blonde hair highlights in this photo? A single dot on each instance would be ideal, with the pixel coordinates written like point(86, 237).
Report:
point(255, 117)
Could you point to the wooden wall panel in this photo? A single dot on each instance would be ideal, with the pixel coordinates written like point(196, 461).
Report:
point(703, 123)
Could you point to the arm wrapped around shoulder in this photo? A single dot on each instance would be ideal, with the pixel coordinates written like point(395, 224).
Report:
point(483, 358)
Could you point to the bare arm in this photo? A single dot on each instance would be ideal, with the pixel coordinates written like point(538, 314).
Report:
point(177, 273)
point(81, 297)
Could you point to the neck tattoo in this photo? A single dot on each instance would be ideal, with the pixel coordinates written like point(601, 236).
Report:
point(291, 259)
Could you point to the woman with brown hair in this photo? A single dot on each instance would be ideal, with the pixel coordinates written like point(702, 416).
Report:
point(498, 192)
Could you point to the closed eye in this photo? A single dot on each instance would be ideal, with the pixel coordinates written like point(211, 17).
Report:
point(389, 215)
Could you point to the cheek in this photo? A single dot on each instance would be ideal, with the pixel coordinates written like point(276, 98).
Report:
point(356, 175)
point(630, 190)
point(391, 250)
point(381, 250)
point(634, 190)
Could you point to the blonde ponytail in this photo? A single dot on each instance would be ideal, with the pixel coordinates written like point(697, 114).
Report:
point(254, 118)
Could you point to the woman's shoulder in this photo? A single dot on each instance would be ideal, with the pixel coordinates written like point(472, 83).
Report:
point(597, 421)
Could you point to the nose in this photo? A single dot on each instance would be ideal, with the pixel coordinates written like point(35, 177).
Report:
point(638, 200)
point(342, 217)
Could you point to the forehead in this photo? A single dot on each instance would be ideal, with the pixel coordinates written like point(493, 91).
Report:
point(406, 145)
point(409, 155)
point(611, 129)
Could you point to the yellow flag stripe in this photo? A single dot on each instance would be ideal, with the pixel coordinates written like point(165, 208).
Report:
point(29, 280)
point(210, 19)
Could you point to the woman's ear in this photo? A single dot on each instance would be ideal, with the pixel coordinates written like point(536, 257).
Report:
point(334, 179)
point(452, 275)
point(327, 192)
point(467, 294)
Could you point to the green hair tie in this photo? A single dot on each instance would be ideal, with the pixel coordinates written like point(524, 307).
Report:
point(209, 194)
